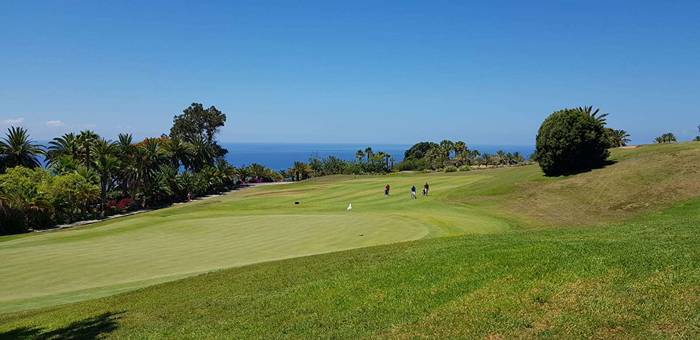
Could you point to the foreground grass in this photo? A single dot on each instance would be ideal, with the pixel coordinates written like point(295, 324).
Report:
point(638, 279)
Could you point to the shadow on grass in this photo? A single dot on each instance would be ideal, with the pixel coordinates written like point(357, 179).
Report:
point(90, 328)
point(572, 172)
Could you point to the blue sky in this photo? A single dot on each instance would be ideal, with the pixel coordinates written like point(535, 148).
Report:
point(350, 71)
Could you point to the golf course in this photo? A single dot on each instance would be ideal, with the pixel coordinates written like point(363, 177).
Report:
point(498, 253)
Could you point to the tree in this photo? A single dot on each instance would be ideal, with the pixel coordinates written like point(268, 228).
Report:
point(461, 154)
point(666, 138)
point(359, 155)
point(446, 147)
point(196, 121)
point(86, 141)
point(618, 138)
point(697, 139)
point(62, 147)
point(570, 141)
point(300, 171)
point(418, 150)
point(107, 166)
point(17, 149)
point(588, 110)
point(369, 153)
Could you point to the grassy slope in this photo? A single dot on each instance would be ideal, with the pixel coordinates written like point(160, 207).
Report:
point(638, 278)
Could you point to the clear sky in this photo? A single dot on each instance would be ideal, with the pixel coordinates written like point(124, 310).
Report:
point(485, 72)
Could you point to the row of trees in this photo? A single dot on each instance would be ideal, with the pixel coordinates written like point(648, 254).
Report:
point(88, 176)
point(671, 138)
point(367, 161)
point(453, 155)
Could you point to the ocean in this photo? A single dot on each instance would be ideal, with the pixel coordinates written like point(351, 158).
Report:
point(281, 156)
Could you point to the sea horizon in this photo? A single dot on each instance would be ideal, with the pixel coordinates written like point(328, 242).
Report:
point(280, 156)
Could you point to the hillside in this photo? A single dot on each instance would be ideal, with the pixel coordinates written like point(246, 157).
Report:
point(635, 274)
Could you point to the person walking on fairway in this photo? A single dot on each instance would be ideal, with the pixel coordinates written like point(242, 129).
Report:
point(386, 190)
point(413, 192)
point(426, 188)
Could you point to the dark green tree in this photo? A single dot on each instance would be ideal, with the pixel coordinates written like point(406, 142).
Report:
point(18, 149)
point(571, 141)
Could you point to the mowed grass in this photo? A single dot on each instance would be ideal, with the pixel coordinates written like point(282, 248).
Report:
point(640, 279)
point(524, 259)
point(249, 226)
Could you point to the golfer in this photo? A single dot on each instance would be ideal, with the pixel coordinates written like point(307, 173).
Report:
point(386, 190)
point(426, 188)
point(413, 192)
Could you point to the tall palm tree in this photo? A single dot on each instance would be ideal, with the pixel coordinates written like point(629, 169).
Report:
point(359, 155)
point(125, 151)
point(106, 165)
point(447, 146)
point(369, 153)
point(181, 152)
point(460, 149)
point(18, 149)
point(588, 110)
point(87, 141)
point(60, 147)
point(150, 155)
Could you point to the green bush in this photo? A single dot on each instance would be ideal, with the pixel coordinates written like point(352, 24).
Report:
point(571, 141)
point(450, 168)
point(465, 168)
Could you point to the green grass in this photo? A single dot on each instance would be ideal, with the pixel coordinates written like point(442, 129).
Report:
point(250, 226)
point(477, 264)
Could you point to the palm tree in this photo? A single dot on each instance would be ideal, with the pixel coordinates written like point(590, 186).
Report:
point(86, 141)
point(17, 149)
point(107, 166)
point(125, 150)
point(149, 156)
point(203, 153)
point(61, 147)
point(300, 171)
point(369, 153)
point(666, 138)
point(588, 110)
point(618, 138)
point(359, 155)
point(460, 149)
point(446, 147)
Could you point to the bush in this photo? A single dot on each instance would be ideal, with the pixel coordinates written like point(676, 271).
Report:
point(465, 168)
point(410, 164)
point(450, 168)
point(571, 141)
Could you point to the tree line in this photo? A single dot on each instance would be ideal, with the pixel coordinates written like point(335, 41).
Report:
point(88, 176)
point(453, 156)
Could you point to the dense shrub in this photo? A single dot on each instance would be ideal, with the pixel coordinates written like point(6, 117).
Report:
point(571, 141)
point(465, 168)
point(450, 168)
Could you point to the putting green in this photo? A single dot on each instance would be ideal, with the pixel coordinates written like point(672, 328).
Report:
point(244, 227)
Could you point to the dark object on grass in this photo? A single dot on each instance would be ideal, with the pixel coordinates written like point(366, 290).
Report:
point(297, 202)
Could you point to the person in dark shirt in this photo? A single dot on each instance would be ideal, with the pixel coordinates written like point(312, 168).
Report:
point(426, 188)
point(386, 190)
point(413, 192)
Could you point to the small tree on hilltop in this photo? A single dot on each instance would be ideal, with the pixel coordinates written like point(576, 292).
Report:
point(571, 141)
point(666, 138)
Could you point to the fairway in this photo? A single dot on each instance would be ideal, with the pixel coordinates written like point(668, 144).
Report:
point(242, 227)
